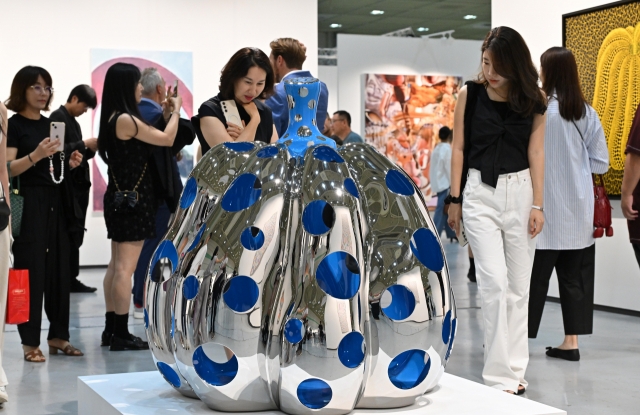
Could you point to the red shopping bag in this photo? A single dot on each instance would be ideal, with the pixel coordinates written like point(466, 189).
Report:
point(18, 296)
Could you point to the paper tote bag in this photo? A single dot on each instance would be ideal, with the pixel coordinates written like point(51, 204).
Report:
point(18, 296)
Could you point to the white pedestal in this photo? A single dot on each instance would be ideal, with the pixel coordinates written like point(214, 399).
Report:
point(146, 393)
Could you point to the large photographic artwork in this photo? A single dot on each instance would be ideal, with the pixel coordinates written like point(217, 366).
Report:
point(403, 115)
point(605, 41)
point(172, 66)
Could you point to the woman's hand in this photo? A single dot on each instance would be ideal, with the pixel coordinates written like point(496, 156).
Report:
point(252, 110)
point(234, 130)
point(455, 216)
point(46, 148)
point(536, 222)
point(75, 159)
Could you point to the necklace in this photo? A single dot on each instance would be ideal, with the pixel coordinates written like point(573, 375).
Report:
point(61, 168)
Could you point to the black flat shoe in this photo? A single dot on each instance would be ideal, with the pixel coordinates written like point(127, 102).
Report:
point(106, 338)
point(472, 270)
point(118, 344)
point(79, 287)
point(572, 355)
point(521, 391)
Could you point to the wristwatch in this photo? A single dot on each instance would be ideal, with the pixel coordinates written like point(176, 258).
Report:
point(454, 200)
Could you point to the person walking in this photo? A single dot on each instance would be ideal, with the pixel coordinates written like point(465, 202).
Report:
point(440, 173)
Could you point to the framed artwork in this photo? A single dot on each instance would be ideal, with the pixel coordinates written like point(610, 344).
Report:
point(403, 115)
point(606, 43)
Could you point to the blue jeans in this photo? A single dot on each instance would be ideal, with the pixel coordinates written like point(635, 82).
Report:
point(440, 219)
point(162, 224)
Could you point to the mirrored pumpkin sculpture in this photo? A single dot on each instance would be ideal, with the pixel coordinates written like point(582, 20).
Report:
point(303, 277)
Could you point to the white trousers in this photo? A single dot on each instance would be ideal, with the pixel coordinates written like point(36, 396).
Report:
point(496, 223)
point(5, 242)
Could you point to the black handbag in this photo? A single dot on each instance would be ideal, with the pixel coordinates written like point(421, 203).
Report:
point(5, 211)
point(17, 204)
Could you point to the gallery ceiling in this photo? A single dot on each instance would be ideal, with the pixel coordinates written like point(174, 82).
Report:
point(423, 16)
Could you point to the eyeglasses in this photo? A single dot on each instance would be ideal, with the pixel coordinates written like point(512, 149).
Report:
point(42, 89)
point(335, 121)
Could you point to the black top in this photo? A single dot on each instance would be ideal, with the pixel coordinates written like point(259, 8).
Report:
point(212, 108)
point(25, 134)
point(498, 137)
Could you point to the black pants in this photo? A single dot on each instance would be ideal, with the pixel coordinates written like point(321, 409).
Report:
point(636, 250)
point(576, 271)
point(43, 249)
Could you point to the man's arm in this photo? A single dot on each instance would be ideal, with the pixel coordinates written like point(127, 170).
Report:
point(629, 182)
point(279, 108)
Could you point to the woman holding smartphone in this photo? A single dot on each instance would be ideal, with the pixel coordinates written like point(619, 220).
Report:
point(125, 143)
point(43, 244)
point(246, 79)
point(498, 139)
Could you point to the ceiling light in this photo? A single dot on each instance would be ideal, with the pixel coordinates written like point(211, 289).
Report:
point(335, 25)
point(423, 29)
point(377, 12)
point(470, 17)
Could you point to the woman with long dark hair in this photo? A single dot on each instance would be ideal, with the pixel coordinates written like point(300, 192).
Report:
point(499, 144)
point(246, 79)
point(125, 143)
point(575, 147)
point(43, 244)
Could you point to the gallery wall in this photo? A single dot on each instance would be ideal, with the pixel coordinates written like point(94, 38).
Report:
point(362, 54)
point(58, 35)
point(540, 23)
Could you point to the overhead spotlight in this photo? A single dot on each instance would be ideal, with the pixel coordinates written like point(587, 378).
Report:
point(335, 25)
point(470, 17)
point(423, 29)
point(375, 12)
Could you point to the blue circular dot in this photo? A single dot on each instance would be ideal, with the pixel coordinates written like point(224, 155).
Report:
point(408, 369)
point(252, 238)
point(241, 293)
point(314, 393)
point(198, 237)
point(190, 287)
point(146, 318)
point(318, 217)
point(326, 153)
point(401, 304)
point(240, 146)
point(398, 183)
point(339, 275)
point(351, 187)
point(294, 331)
point(268, 152)
point(446, 327)
point(216, 374)
point(425, 247)
point(169, 374)
point(351, 350)
point(453, 335)
point(243, 193)
point(167, 250)
point(189, 193)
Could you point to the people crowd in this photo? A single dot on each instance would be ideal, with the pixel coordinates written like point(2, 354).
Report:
point(514, 174)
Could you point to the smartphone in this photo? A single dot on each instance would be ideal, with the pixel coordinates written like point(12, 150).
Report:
point(231, 113)
point(174, 90)
point(56, 131)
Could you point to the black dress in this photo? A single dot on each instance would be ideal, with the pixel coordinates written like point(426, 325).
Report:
point(128, 164)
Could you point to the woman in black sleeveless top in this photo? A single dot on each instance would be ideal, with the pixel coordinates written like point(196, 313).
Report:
point(498, 150)
point(125, 143)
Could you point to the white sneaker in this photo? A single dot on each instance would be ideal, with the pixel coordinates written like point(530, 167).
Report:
point(138, 312)
point(3, 395)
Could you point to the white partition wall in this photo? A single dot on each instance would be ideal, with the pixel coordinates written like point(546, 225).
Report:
point(58, 35)
point(361, 54)
point(540, 23)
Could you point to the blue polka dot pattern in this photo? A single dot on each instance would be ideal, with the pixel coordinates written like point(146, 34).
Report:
point(252, 238)
point(190, 287)
point(425, 247)
point(408, 369)
point(216, 374)
point(398, 183)
point(243, 193)
point(318, 217)
point(198, 237)
point(314, 393)
point(146, 318)
point(294, 331)
point(328, 154)
point(339, 275)
point(241, 293)
point(268, 152)
point(240, 146)
point(446, 327)
point(351, 187)
point(166, 249)
point(169, 374)
point(453, 335)
point(402, 304)
point(189, 193)
point(351, 350)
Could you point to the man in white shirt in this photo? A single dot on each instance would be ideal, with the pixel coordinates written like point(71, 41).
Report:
point(440, 174)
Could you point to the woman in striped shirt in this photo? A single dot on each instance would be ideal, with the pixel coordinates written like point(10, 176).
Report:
point(575, 148)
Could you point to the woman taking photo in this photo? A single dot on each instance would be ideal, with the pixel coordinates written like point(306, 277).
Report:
point(125, 143)
point(43, 245)
point(246, 79)
point(499, 143)
point(575, 147)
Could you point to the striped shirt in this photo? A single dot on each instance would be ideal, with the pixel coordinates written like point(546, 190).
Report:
point(568, 188)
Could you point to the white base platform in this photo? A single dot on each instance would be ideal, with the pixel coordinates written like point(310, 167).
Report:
point(147, 393)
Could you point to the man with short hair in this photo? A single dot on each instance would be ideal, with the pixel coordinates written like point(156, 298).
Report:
point(287, 56)
point(78, 182)
point(156, 110)
point(341, 123)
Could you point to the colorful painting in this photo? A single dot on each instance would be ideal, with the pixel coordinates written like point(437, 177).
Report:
point(172, 66)
point(605, 41)
point(403, 115)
